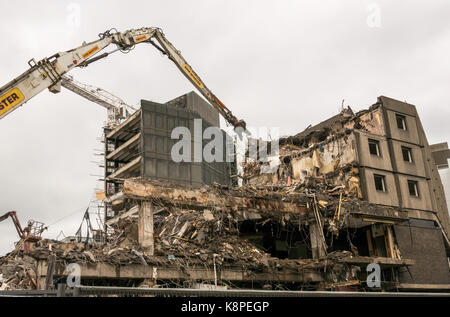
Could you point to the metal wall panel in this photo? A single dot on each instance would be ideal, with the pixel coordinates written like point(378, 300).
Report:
point(192, 101)
point(158, 121)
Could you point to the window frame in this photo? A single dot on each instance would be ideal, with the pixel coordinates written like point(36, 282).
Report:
point(383, 183)
point(403, 120)
point(410, 155)
point(377, 147)
point(416, 188)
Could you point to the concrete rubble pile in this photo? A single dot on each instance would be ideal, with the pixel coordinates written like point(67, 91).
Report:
point(17, 271)
point(207, 233)
point(257, 228)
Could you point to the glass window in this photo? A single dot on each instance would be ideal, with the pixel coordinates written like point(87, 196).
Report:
point(374, 147)
point(413, 188)
point(380, 183)
point(401, 121)
point(407, 154)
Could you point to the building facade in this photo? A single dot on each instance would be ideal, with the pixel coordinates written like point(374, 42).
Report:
point(441, 156)
point(141, 147)
point(381, 156)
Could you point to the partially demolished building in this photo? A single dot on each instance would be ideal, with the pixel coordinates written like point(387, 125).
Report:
point(357, 189)
point(379, 155)
point(141, 146)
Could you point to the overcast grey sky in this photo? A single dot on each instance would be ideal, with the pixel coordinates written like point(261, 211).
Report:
point(274, 63)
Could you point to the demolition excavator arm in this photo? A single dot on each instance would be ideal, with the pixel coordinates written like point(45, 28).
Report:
point(16, 222)
point(32, 232)
point(47, 73)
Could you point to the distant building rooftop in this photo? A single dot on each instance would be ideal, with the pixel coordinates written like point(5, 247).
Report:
point(441, 154)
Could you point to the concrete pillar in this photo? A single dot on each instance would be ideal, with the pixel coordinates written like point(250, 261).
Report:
point(317, 246)
point(41, 274)
point(61, 290)
point(146, 227)
point(50, 272)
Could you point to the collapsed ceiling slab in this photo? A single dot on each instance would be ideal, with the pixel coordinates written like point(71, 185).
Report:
point(218, 197)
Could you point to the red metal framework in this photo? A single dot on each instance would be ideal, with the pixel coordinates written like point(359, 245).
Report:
point(31, 233)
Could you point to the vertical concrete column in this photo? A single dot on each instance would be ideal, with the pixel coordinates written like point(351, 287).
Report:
point(41, 274)
point(146, 227)
point(317, 246)
point(50, 272)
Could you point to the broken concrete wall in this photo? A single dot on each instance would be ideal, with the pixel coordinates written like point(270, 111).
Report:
point(370, 120)
point(328, 157)
point(329, 149)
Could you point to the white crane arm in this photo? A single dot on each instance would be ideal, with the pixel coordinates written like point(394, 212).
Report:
point(48, 72)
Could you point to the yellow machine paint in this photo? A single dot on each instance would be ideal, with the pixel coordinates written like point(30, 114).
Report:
point(10, 100)
point(140, 38)
point(192, 75)
point(90, 52)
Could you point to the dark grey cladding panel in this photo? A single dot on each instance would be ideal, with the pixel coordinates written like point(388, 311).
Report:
point(161, 118)
point(158, 121)
point(169, 170)
point(203, 108)
point(192, 101)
